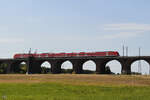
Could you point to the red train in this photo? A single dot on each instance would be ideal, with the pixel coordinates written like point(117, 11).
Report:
point(80, 54)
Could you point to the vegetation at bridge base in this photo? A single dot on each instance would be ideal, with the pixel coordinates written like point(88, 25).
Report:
point(45, 70)
point(55, 91)
point(70, 71)
point(135, 73)
point(22, 69)
point(3, 68)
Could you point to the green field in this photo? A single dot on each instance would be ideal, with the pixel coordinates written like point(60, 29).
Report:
point(74, 87)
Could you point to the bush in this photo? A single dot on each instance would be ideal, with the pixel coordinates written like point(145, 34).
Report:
point(67, 71)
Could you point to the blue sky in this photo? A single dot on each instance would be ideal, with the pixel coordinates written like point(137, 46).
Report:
point(74, 26)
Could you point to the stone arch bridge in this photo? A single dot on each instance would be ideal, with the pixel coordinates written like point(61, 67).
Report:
point(34, 64)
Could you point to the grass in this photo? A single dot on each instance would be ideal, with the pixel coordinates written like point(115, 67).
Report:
point(74, 87)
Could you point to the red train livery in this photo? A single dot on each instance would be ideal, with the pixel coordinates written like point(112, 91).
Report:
point(80, 54)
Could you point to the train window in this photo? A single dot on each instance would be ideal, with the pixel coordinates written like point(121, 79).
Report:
point(107, 54)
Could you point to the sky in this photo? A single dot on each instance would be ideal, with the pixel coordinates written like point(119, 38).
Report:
point(74, 26)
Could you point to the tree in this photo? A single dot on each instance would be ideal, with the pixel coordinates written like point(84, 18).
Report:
point(107, 70)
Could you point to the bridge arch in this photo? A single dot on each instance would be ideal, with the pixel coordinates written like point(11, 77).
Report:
point(4, 66)
point(19, 67)
point(67, 67)
point(114, 65)
point(140, 66)
point(89, 66)
point(45, 67)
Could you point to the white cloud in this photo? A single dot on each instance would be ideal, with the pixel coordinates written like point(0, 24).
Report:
point(127, 30)
point(121, 35)
point(127, 27)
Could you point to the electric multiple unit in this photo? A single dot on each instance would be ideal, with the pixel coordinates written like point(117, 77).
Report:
point(80, 54)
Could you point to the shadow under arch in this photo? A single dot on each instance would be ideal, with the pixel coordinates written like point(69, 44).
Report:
point(19, 67)
point(66, 67)
point(89, 66)
point(45, 67)
point(114, 66)
point(140, 67)
point(4, 67)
